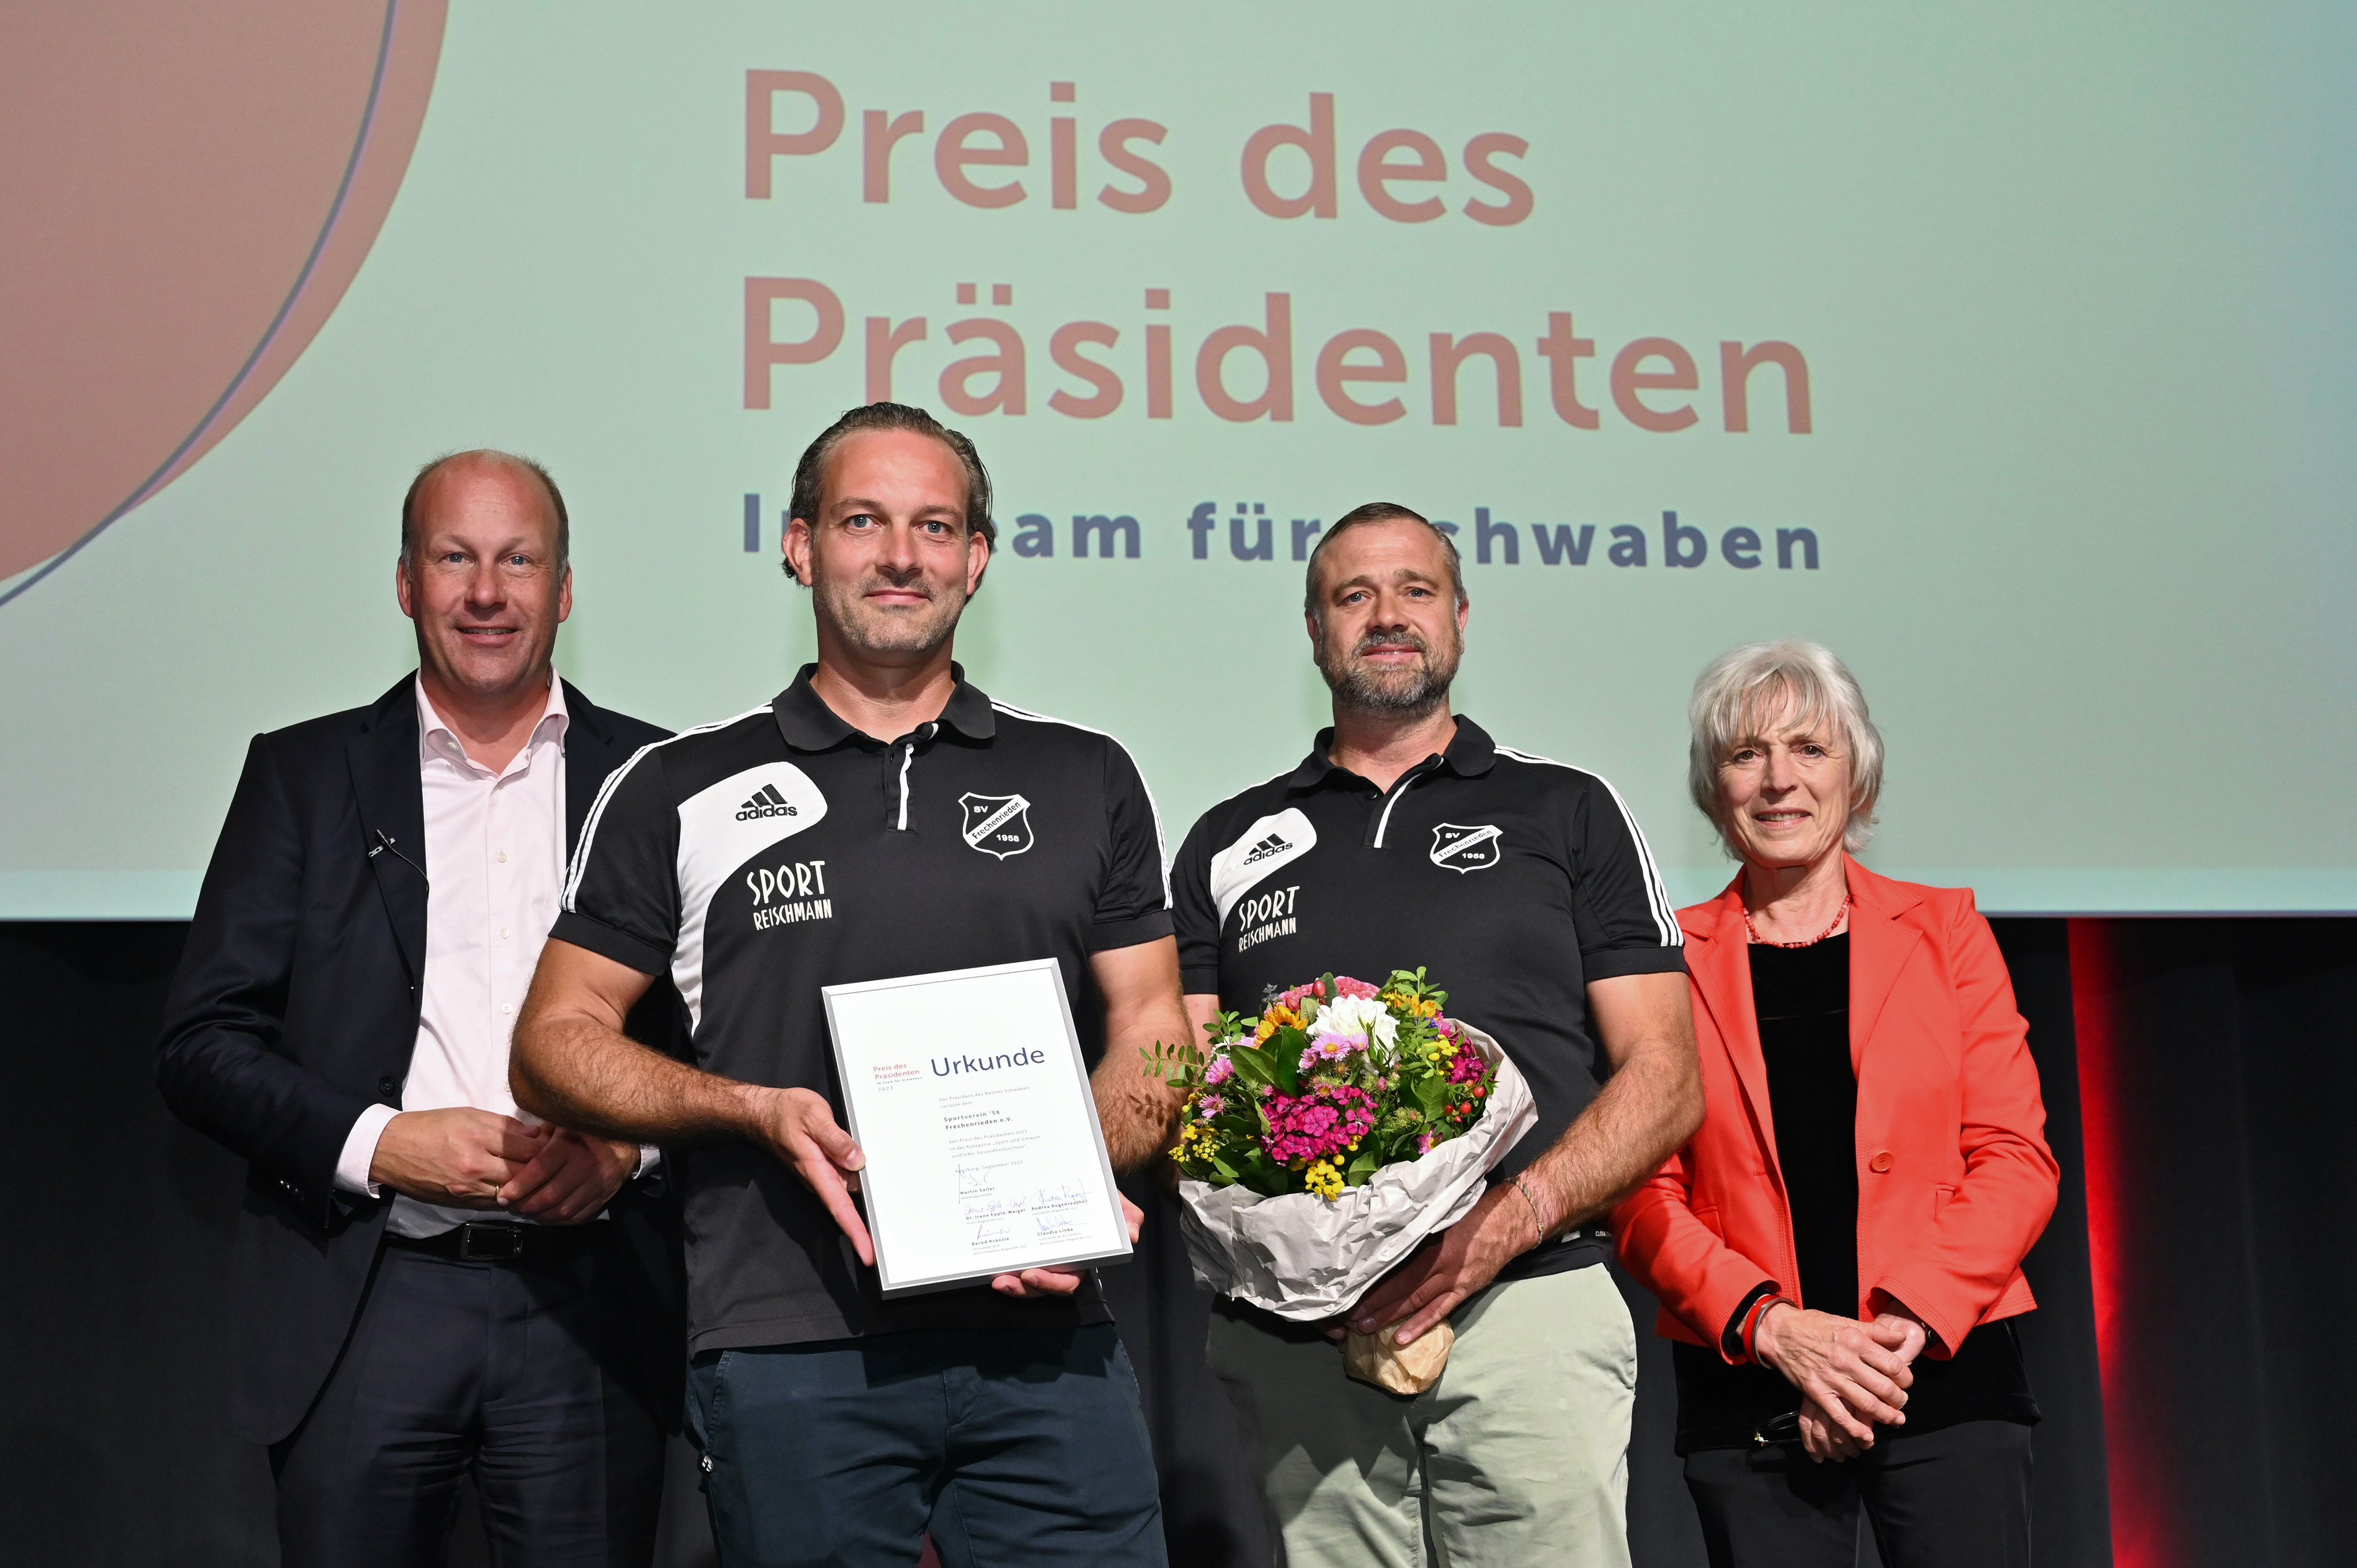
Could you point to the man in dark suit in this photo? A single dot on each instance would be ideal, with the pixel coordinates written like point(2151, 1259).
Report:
point(425, 1282)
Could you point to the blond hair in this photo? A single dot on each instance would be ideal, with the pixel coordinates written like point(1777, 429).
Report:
point(1744, 689)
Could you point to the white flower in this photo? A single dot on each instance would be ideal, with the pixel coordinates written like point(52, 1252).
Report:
point(1357, 1015)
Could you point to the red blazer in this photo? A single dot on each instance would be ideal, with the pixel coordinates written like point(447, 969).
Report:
point(1954, 1180)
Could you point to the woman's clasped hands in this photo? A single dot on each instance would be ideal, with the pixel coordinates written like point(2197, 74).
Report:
point(1853, 1375)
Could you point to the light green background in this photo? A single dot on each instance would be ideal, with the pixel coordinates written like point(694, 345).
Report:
point(2077, 286)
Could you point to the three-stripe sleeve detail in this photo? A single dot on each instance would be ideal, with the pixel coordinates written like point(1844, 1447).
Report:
point(606, 794)
point(1657, 897)
point(1161, 842)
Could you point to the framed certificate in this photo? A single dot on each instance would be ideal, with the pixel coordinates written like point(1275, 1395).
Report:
point(966, 1092)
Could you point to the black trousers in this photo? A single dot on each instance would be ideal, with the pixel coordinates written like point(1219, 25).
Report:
point(525, 1375)
point(1956, 1497)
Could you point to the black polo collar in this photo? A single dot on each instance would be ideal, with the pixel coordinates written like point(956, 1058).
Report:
point(809, 725)
point(1471, 753)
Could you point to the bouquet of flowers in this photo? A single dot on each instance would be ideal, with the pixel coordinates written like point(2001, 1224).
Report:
point(1324, 1139)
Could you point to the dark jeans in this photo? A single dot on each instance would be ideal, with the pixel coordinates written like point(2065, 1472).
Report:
point(1956, 1497)
point(1014, 1446)
point(522, 1373)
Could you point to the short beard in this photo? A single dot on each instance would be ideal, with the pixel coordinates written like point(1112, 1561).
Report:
point(1410, 693)
point(870, 630)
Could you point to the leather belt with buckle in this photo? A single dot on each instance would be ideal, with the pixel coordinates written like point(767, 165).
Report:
point(502, 1241)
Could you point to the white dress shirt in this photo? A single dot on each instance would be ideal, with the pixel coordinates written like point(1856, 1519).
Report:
point(494, 869)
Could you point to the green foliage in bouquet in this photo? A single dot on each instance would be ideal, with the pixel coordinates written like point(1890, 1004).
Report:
point(1334, 1080)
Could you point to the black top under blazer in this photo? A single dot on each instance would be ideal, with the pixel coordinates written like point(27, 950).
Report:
point(295, 1006)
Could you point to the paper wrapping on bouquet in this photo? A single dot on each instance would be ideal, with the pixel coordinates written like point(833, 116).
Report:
point(1301, 1257)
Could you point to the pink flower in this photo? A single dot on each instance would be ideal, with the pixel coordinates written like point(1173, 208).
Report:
point(1318, 1125)
point(1345, 986)
point(1424, 1144)
point(1220, 1071)
point(1210, 1105)
point(1332, 1048)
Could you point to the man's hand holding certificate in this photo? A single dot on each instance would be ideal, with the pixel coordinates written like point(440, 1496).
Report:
point(968, 1098)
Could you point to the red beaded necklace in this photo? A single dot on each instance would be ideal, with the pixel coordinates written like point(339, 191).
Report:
point(1839, 914)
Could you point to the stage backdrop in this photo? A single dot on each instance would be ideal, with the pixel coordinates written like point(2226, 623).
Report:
point(2007, 349)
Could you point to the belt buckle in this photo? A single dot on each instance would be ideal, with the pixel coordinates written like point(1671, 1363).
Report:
point(490, 1243)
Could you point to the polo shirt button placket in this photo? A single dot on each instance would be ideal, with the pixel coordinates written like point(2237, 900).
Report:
point(1379, 824)
point(897, 760)
point(895, 779)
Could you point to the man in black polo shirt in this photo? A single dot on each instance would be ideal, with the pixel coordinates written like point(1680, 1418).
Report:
point(1407, 837)
point(880, 817)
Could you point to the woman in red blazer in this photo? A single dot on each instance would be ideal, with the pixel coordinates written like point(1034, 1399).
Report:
point(1838, 1250)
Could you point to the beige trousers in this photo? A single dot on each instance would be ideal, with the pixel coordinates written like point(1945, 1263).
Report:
point(1518, 1455)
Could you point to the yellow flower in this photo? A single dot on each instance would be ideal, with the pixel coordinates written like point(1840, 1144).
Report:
point(1278, 1017)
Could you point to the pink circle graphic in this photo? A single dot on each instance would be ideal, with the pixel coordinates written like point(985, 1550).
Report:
point(189, 190)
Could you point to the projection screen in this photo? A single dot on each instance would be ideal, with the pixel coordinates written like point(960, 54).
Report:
point(2007, 348)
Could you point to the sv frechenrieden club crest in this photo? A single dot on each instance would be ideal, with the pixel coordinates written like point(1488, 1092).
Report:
point(997, 825)
point(1460, 848)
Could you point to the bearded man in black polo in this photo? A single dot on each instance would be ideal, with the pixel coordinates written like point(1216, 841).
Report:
point(1409, 837)
point(881, 816)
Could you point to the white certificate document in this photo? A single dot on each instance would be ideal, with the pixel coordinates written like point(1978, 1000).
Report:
point(966, 1092)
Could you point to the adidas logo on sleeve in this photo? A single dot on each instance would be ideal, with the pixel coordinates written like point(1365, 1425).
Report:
point(1260, 851)
point(766, 803)
point(1267, 848)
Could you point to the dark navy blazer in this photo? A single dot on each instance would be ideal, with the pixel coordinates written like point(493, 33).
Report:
point(295, 1006)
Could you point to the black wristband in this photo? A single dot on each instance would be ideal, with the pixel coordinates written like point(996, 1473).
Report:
point(1730, 1338)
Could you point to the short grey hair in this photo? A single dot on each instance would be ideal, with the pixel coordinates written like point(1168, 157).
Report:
point(1379, 511)
point(1741, 689)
